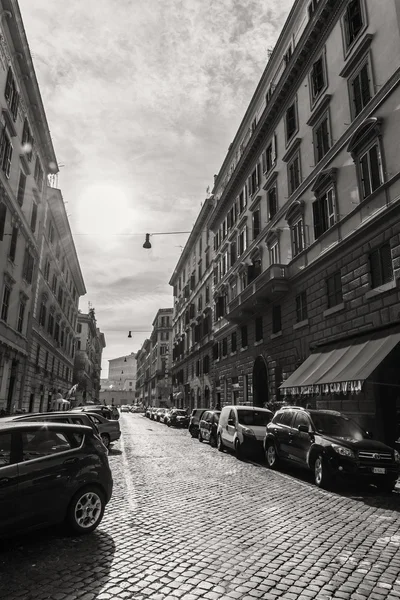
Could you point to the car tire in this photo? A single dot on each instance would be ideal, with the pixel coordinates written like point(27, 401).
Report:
point(386, 485)
point(238, 450)
point(192, 433)
point(213, 441)
point(86, 510)
point(322, 476)
point(200, 437)
point(105, 438)
point(220, 445)
point(271, 456)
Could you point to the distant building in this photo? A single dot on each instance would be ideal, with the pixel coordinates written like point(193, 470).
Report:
point(121, 373)
point(154, 384)
point(87, 367)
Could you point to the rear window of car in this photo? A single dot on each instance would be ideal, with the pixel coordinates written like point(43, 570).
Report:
point(43, 442)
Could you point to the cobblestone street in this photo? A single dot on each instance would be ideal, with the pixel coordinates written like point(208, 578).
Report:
point(186, 521)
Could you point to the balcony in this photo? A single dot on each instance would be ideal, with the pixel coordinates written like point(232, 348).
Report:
point(267, 288)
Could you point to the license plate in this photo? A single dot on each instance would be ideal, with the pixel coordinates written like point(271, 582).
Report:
point(379, 470)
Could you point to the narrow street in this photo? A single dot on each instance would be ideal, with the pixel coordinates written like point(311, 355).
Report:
point(186, 521)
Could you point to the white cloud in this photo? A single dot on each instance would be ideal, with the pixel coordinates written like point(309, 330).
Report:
point(146, 97)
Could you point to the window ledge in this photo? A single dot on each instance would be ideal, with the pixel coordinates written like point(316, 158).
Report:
point(275, 335)
point(301, 324)
point(355, 58)
point(333, 309)
point(258, 342)
point(386, 287)
point(233, 353)
point(243, 349)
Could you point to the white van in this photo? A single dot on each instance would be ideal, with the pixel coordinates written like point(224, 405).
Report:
point(242, 429)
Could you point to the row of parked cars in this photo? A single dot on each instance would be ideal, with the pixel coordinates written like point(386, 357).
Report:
point(54, 468)
point(173, 417)
point(328, 443)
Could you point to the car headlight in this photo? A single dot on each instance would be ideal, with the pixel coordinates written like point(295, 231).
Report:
point(248, 431)
point(396, 456)
point(343, 451)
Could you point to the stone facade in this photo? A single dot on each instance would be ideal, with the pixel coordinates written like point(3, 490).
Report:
point(87, 364)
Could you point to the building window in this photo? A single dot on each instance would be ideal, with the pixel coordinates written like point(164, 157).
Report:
point(259, 329)
point(34, 217)
point(318, 79)
point(243, 335)
point(11, 94)
point(269, 156)
point(381, 266)
point(272, 202)
point(28, 266)
point(243, 199)
point(21, 188)
point(322, 141)
point(253, 182)
point(51, 233)
point(6, 151)
point(242, 241)
point(312, 7)
point(207, 294)
point(294, 175)
point(13, 244)
point(5, 303)
point(54, 284)
point(234, 341)
point(50, 324)
point(353, 21)
point(291, 121)
point(225, 347)
point(27, 140)
point(21, 315)
point(276, 319)
point(38, 174)
point(215, 351)
point(42, 314)
point(301, 307)
point(370, 169)
point(334, 289)
point(297, 230)
point(324, 213)
point(256, 222)
point(274, 253)
point(47, 270)
point(3, 216)
point(206, 364)
point(37, 361)
point(360, 89)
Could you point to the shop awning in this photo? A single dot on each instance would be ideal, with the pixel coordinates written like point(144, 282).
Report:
point(341, 368)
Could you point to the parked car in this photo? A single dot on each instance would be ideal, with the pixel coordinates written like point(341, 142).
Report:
point(98, 408)
point(194, 421)
point(208, 427)
point(153, 413)
point(75, 418)
point(242, 429)
point(160, 412)
point(125, 409)
point(147, 412)
point(165, 417)
point(110, 431)
point(330, 444)
point(51, 473)
point(178, 418)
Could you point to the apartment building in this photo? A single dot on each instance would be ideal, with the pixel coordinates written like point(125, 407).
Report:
point(153, 383)
point(59, 284)
point(87, 364)
point(26, 158)
point(192, 282)
point(306, 221)
point(121, 373)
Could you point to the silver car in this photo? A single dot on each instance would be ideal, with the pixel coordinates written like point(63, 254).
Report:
point(110, 431)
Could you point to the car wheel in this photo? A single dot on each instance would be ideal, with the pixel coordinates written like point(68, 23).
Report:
point(386, 485)
point(322, 477)
point(200, 437)
point(220, 445)
point(105, 438)
point(238, 450)
point(213, 441)
point(86, 510)
point(192, 432)
point(271, 456)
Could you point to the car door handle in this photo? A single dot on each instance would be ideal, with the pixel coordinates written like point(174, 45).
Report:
point(70, 461)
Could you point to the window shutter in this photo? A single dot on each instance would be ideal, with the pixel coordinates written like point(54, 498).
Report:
point(7, 161)
point(33, 217)
point(8, 89)
point(357, 99)
point(365, 85)
point(274, 149)
point(264, 160)
point(249, 187)
point(258, 174)
point(21, 188)
point(364, 172)
point(3, 214)
point(15, 104)
point(317, 219)
point(375, 167)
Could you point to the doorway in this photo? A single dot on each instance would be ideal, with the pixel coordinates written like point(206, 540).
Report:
point(260, 382)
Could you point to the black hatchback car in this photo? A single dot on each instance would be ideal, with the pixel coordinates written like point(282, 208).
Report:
point(208, 427)
point(330, 444)
point(51, 473)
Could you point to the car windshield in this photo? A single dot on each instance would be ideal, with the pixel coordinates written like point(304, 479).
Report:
point(337, 426)
point(254, 417)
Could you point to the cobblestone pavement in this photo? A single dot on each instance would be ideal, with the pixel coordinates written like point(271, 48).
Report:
point(189, 522)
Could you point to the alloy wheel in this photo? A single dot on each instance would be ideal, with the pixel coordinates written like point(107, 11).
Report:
point(88, 510)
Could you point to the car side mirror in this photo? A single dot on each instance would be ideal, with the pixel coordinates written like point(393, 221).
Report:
point(231, 422)
point(303, 429)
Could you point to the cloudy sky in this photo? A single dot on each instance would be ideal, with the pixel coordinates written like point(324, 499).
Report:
point(143, 98)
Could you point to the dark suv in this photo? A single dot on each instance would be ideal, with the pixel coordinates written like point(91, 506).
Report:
point(194, 421)
point(331, 445)
point(50, 473)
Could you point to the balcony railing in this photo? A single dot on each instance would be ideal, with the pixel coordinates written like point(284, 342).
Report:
point(266, 288)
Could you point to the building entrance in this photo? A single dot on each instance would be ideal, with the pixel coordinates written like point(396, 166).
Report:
point(260, 382)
